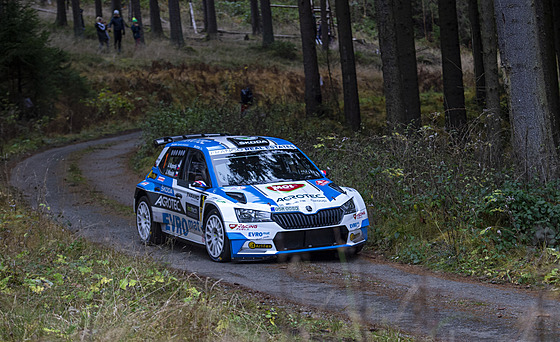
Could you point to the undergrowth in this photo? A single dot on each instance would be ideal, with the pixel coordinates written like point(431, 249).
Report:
point(432, 200)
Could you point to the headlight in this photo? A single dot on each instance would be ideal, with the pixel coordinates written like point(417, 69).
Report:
point(250, 215)
point(348, 207)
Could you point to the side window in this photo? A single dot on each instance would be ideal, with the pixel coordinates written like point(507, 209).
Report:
point(171, 164)
point(196, 169)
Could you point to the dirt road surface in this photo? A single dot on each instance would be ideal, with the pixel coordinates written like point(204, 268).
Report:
point(409, 298)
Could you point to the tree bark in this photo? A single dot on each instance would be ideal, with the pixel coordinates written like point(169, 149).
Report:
point(407, 63)
point(526, 61)
point(61, 19)
point(255, 17)
point(212, 29)
point(325, 39)
point(176, 28)
point(77, 16)
point(453, 93)
point(398, 55)
point(266, 14)
point(98, 8)
point(313, 97)
point(348, 65)
point(492, 113)
point(476, 41)
point(155, 19)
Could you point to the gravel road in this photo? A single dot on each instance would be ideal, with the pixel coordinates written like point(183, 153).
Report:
point(409, 298)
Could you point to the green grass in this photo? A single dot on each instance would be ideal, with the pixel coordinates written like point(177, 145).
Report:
point(57, 286)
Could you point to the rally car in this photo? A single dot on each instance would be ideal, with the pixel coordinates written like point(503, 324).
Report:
point(246, 197)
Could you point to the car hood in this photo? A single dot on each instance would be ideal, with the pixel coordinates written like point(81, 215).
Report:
point(305, 196)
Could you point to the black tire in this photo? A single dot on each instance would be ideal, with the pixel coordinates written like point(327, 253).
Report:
point(215, 238)
point(149, 231)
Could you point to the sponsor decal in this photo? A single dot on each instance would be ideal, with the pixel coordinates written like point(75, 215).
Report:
point(283, 209)
point(252, 148)
point(355, 225)
point(233, 188)
point(308, 208)
point(302, 196)
point(249, 141)
point(360, 215)
point(322, 182)
point(179, 225)
point(169, 203)
point(242, 226)
point(258, 234)
point(193, 196)
point(285, 187)
point(253, 245)
point(144, 183)
point(167, 190)
point(161, 179)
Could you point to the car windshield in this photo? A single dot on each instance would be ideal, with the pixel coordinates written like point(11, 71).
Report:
point(263, 166)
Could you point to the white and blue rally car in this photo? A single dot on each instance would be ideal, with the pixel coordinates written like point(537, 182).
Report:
point(246, 197)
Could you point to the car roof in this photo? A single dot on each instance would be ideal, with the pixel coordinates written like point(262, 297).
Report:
point(217, 142)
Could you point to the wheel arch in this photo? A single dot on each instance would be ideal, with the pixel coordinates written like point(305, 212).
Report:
point(138, 194)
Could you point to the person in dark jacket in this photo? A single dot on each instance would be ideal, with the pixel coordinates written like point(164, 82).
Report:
point(102, 33)
point(118, 25)
point(136, 32)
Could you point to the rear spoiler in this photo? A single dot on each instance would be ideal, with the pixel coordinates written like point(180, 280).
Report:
point(167, 140)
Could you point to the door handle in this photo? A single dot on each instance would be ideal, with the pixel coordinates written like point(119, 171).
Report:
point(178, 195)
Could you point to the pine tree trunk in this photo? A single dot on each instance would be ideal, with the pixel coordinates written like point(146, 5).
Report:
point(255, 17)
point(155, 19)
point(492, 113)
point(313, 97)
point(78, 28)
point(98, 8)
point(348, 65)
point(398, 55)
point(176, 28)
point(476, 41)
point(324, 25)
point(212, 31)
point(61, 19)
point(453, 92)
point(525, 59)
point(407, 64)
point(266, 14)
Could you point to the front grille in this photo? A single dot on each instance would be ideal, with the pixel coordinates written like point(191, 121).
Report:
point(323, 218)
point(305, 239)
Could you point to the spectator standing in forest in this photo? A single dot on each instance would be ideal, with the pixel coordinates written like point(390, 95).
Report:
point(102, 34)
point(136, 32)
point(117, 24)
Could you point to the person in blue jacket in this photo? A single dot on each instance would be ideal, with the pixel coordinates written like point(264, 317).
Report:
point(117, 24)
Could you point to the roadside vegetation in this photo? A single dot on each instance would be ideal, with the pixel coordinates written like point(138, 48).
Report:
point(56, 286)
point(433, 201)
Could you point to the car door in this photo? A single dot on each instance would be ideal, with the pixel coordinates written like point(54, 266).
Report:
point(166, 204)
point(190, 186)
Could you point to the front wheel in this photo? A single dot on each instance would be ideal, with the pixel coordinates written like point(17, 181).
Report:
point(215, 238)
point(149, 231)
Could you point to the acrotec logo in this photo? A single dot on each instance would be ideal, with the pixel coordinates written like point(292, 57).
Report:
point(285, 187)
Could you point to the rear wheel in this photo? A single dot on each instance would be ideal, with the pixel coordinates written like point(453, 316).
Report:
point(215, 238)
point(149, 231)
